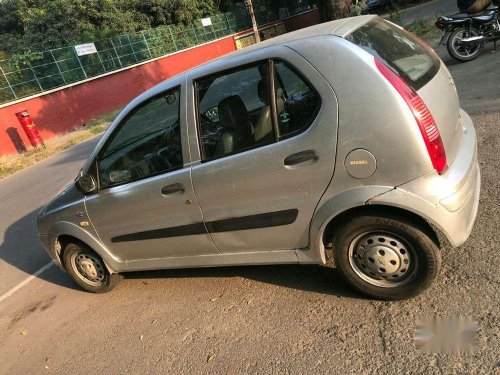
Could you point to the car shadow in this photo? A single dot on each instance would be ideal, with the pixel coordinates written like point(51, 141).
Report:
point(309, 278)
point(22, 250)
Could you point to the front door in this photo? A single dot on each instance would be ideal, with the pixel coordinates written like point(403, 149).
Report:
point(267, 138)
point(145, 207)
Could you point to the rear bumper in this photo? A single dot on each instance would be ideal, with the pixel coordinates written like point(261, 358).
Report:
point(449, 201)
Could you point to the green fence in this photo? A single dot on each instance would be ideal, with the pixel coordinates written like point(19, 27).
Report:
point(62, 66)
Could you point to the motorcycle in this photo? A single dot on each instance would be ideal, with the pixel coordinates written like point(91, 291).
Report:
point(465, 34)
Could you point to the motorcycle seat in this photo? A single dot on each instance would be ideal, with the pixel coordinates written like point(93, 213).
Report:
point(484, 16)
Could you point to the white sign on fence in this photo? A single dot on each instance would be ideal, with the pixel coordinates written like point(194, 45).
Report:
point(206, 21)
point(85, 49)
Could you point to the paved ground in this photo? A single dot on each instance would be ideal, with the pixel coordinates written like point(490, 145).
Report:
point(285, 319)
point(429, 10)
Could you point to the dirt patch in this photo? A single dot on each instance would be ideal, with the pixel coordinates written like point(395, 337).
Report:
point(31, 308)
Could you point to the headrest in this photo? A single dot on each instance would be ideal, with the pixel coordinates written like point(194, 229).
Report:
point(263, 91)
point(232, 112)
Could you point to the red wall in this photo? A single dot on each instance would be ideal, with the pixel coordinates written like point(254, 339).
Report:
point(70, 108)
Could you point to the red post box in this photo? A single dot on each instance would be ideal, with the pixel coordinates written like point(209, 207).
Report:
point(29, 128)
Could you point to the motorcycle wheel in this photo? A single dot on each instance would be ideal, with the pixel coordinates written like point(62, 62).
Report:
point(463, 53)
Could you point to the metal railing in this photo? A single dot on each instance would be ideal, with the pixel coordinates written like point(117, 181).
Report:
point(62, 66)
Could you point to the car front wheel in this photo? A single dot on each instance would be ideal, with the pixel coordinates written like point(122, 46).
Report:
point(386, 257)
point(88, 270)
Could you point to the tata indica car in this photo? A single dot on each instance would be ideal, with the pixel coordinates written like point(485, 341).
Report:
point(346, 136)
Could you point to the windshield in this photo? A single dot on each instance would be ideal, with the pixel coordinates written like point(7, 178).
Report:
point(399, 49)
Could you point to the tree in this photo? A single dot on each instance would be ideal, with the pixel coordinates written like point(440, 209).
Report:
point(161, 12)
point(50, 23)
point(36, 25)
point(333, 9)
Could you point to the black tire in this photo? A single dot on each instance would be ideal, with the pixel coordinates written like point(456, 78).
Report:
point(425, 265)
point(452, 49)
point(103, 282)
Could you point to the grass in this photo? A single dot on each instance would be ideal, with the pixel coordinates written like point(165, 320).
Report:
point(424, 29)
point(10, 164)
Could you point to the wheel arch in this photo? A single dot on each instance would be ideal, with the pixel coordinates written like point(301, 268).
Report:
point(393, 211)
point(325, 229)
point(65, 232)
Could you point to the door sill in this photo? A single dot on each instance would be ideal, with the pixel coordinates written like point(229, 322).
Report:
point(214, 260)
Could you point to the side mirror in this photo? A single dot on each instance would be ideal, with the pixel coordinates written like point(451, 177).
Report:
point(86, 184)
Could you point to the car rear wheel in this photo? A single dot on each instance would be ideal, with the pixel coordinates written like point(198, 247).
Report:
point(386, 257)
point(88, 270)
point(464, 52)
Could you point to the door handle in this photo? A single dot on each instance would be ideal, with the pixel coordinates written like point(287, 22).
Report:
point(173, 188)
point(301, 157)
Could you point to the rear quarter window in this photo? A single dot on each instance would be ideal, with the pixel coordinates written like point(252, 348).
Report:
point(399, 49)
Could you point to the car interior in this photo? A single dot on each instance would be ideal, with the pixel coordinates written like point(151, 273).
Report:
point(147, 143)
point(233, 109)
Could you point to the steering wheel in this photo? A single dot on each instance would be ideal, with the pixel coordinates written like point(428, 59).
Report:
point(163, 154)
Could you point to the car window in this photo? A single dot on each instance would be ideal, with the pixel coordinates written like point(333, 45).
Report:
point(296, 101)
point(234, 111)
point(399, 49)
point(147, 143)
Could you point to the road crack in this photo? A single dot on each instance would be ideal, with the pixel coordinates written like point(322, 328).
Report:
point(382, 324)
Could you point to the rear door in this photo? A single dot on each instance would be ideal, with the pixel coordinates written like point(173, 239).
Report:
point(421, 68)
point(261, 191)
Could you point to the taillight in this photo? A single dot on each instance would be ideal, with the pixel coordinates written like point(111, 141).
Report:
point(423, 116)
point(439, 25)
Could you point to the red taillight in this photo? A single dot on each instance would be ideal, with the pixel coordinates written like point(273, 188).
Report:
point(439, 25)
point(423, 117)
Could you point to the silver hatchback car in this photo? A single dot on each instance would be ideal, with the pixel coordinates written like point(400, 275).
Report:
point(346, 135)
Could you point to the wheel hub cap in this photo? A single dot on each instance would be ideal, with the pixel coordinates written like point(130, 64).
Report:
point(465, 50)
point(382, 259)
point(90, 267)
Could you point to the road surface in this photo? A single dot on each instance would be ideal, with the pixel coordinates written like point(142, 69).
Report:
point(429, 10)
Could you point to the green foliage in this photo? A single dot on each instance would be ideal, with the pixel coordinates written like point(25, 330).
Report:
point(47, 24)
point(357, 7)
point(25, 59)
point(423, 28)
point(395, 13)
point(333, 9)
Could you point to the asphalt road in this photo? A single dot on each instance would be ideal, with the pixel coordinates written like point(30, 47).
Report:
point(265, 320)
point(429, 10)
